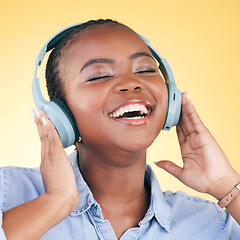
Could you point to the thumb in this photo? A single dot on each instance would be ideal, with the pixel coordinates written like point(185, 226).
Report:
point(171, 168)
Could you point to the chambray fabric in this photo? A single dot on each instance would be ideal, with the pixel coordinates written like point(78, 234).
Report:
point(170, 215)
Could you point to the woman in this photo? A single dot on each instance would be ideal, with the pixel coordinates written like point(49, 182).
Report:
point(101, 70)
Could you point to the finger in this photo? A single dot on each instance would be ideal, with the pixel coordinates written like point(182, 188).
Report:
point(37, 119)
point(32, 112)
point(171, 168)
point(50, 140)
point(46, 148)
point(184, 98)
point(42, 133)
point(51, 137)
point(42, 123)
point(190, 122)
point(194, 117)
point(185, 122)
point(180, 134)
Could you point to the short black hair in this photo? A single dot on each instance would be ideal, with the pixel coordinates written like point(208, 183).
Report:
point(54, 79)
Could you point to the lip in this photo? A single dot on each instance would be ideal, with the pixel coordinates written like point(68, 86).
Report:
point(133, 121)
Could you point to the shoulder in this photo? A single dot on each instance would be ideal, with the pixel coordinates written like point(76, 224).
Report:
point(206, 214)
point(200, 217)
point(180, 197)
point(19, 174)
point(182, 203)
point(18, 185)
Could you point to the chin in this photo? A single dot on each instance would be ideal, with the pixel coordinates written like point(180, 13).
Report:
point(138, 143)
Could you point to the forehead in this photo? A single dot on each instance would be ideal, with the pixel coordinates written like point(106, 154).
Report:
point(109, 39)
point(109, 30)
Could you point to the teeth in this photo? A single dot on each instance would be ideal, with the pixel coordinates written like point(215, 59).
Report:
point(129, 108)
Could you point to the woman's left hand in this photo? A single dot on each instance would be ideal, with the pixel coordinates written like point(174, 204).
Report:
point(205, 166)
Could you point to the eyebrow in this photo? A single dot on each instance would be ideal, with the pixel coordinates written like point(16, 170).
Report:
point(98, 60)
point(112, 61)
point(140, 54)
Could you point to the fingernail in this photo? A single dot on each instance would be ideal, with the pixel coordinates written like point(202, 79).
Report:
point(156, 163)
point(186, 92)
point(44, 120)
point(190, 100)
point(32, 113)
point(37, 112)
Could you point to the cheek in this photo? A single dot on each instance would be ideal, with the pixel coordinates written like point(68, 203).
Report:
point(87, 106)
point(164, 98)
point(160, 94)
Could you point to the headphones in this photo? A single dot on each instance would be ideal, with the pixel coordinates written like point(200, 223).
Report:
point(61, 116)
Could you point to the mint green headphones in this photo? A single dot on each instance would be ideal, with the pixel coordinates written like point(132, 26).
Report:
point(61, 116)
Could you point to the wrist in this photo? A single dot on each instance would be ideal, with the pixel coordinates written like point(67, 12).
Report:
point(223, 187)
point(62, 203)
point(230, 197)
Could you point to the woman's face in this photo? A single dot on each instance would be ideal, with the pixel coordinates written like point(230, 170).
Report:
point(114, 89)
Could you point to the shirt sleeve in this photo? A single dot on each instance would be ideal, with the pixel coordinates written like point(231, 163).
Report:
point(230, 228)
point(2, 235)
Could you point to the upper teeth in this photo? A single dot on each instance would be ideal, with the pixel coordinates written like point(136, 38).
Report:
point(129, 108)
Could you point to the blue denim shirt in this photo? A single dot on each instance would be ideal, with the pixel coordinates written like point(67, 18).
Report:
point(170, 215)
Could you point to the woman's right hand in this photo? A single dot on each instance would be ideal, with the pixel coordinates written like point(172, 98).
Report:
point(32, 219)
point(56, 169)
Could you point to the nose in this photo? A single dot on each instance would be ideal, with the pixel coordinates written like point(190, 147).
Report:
point(128, 84)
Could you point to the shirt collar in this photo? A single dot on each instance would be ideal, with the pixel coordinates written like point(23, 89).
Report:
point(87, 200)
point(158, 204)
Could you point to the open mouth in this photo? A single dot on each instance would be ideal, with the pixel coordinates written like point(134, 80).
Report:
point(132, 111)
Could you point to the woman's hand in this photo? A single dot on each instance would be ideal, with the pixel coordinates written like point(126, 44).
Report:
point(32, 219)
point(56, 169)
point(205, 166)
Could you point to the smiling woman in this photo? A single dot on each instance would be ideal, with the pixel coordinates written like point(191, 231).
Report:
point(129, 83)
point(108, 78)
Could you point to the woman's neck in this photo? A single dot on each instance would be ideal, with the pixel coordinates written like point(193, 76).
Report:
point(117, 183)
point(113, 174)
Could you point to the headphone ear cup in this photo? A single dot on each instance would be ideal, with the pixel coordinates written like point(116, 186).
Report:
point(63, 120)
point(174, 106)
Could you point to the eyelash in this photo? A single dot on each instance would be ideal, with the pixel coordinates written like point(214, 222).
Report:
point(109, 76)
point(147, 71)
point(98, 78)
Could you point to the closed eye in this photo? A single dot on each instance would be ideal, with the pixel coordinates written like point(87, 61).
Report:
point(99, 78)
point(146, 71)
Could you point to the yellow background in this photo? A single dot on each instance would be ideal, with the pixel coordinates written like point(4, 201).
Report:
point(200, 40)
